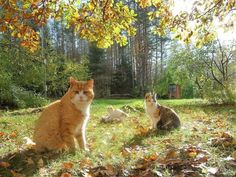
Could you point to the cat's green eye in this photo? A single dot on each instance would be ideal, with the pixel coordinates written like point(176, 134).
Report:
point(76, 92)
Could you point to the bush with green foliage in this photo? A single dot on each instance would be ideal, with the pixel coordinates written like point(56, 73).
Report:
point(23, 76)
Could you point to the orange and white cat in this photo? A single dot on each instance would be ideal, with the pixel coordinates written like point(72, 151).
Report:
point(65, 120)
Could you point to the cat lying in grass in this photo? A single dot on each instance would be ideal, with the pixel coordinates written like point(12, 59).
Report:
point(162, 118)
point(65, 119)
point(114, 115)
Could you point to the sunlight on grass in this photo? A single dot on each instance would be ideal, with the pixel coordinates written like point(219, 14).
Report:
point(123, 143)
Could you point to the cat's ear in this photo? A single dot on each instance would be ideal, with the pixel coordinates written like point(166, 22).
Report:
point(90, 83)
point(155, 97)
point(110, 109)
point(72, 81)
point(147, 95)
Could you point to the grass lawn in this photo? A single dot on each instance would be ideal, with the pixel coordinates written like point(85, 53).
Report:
point(204, 146)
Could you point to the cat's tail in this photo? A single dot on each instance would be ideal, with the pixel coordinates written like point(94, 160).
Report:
point(125, 114)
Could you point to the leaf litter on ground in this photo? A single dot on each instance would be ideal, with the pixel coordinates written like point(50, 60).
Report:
point(188, 160)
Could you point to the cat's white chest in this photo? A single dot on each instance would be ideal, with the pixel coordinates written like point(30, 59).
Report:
point(85, 111)
point(150, 109)
point(85, 114)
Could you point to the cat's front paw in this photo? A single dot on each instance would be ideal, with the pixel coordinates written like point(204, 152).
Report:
point(152, 128)
point(86, 149)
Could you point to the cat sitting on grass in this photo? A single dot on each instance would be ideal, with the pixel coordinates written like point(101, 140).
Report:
point(65, 120)
point(162, 118)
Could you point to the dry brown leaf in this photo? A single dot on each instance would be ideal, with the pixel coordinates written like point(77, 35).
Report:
point(152, 157)
point(68, 165)
point(202, 159)
point(125, 153)
point(114, 137)
point(13, 135)
point(224, 139)
point(66, 175)
point(166, 141)
point(2, 134)
point(14, 174)
point(226, 135)
point(171, 154)
point(86, 162)
point(142, 131)
point(4, 164)
point(110, 169)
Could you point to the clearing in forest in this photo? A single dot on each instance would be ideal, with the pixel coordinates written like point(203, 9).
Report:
point(204, 146)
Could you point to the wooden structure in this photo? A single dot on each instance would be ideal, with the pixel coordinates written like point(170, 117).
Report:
point(174, 91)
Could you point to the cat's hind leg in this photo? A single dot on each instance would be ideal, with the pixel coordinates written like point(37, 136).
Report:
point(68, 139)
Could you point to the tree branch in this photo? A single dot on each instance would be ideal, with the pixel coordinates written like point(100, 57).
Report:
point(213, 74)
point(210, 9)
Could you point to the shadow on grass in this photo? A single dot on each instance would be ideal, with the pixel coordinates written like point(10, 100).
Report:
point(137, 139)
point(25, 162)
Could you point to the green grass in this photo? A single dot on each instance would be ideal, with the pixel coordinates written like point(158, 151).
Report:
point(125, 143)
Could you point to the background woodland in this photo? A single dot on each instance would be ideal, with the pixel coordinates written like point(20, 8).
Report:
point(149, 61)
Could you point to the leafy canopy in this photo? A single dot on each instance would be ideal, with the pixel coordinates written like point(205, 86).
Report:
point(106, 21)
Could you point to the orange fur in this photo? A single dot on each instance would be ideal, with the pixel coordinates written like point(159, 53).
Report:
point(156, 113)
point(65, 120)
